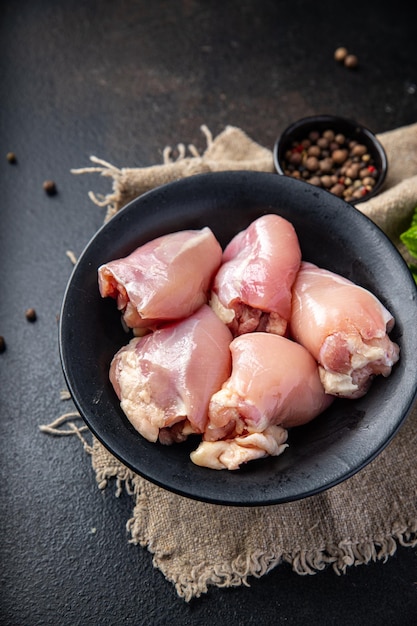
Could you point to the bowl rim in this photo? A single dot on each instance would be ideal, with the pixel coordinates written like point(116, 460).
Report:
point(323, 119)
point(245, 490)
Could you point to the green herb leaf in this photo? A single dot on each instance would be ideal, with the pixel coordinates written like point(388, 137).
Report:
point(409, 238)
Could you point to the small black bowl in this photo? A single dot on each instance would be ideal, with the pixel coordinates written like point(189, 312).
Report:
point(299, 130)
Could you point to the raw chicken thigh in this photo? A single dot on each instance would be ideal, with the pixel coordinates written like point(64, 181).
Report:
point(165, 380)
point(345, 328)
point(274, 385)
point(167, 278)
point(252, 289)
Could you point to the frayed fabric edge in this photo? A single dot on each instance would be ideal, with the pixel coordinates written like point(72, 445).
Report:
point(178, 163)
point(115, 199)
point(303, 562)
point(65, 425)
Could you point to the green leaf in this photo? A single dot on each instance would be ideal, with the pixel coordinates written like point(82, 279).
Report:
point(409, 238)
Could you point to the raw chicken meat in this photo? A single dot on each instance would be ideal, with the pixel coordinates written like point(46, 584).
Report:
point(167, 278)
point(231, 453)
point(345, 328)
point(274, 381)
point(164, 380)
point(252, 289)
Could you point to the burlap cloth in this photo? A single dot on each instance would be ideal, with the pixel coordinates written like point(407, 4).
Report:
point(195, 544)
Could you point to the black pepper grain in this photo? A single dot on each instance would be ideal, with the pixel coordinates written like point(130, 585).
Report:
point(329, 134)
point(339, 155)
point(31, 315)
point(312, 164)
point(359, 150)
point(313, 135)
point(50, 187)
point(326, 165)
point(11, 157)
point(326, 181)
point(340, 54)
point(351, 61)
point(295, 158)
point(313, 151)
point(2, 344)
point(322, 142)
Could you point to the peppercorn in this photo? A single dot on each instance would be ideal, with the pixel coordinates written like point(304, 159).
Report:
point(353, 170)
point(337, 190)
point(50, 187)
point(326, 165)
point(295, 158)
point(326, 181)
point(323, 142)
point(11, 157)
point(340, 155)
point(340, 54)
point(329, 134)
point(31, 315)
point(314, 151)
point(312, 164)
point(351, 61)
point(359, 149)
point(2, 344)
point(313, 135)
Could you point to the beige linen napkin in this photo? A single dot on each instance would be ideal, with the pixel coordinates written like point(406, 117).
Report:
point(196, 545)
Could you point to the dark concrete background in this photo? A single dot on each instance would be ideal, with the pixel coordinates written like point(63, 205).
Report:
point(121, 80)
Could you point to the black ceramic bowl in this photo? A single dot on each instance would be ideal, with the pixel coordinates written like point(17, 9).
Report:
point(332, 234)
point(299, 130)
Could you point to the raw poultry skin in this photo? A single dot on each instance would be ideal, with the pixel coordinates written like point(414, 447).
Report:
point(345, 328)
point(164, 380)
point(252, 289)
point(274, 385)
point(232, 453)
point(167, 278)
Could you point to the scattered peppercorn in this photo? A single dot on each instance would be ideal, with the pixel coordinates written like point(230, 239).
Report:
point(50, 187)
point(2, 344)
point(340, 54)
point(31, 315)
point(11, 157)
point(351, 61)
point(334, 162)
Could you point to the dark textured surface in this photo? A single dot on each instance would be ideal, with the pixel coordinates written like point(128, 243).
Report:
point(122, 80)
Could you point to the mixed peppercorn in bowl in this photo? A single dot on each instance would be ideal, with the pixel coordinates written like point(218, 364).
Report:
point(334, 153)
